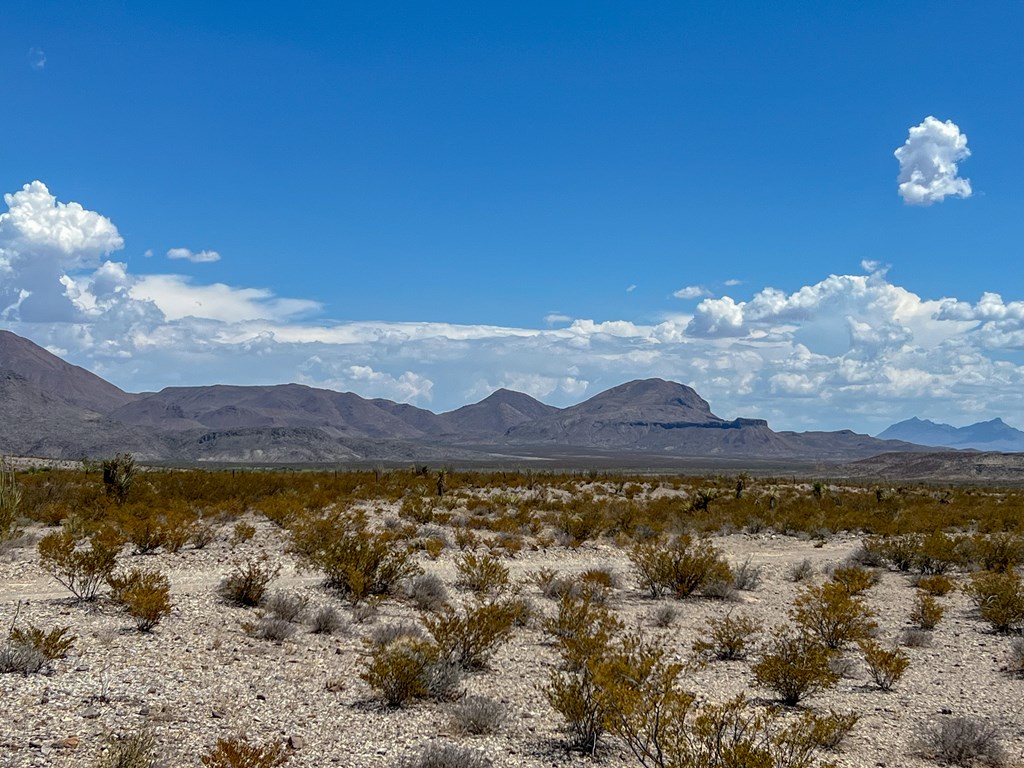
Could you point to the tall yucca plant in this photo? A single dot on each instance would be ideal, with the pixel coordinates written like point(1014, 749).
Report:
point(10, 498)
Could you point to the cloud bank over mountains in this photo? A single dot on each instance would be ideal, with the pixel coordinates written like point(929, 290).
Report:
point(846, 351)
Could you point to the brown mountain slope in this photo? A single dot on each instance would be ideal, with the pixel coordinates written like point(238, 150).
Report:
point(651, 415)
point(495, 415)
point(58, 379)
point(287, 405)
point(35, 423)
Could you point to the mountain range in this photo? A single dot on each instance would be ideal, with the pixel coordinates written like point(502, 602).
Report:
point(50, 408)
point(994, 435)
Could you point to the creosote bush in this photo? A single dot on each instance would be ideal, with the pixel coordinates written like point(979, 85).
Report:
point(356, 560)
point(854, 579)
point(403, 666)
point(471, 635)
point(238, 752)
point(795, 665)
point(832, 615)
point(937, 585)
point(82, 567)
point(926, 613)
point(728, 638)
point(680, 567)
point(483, 574)
point(248, 581)
point(885, 666)
point(145, 595)
point(999, 598)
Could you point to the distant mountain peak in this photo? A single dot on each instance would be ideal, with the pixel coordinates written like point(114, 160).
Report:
point(992, 435)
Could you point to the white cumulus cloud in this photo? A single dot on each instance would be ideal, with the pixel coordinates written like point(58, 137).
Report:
point(196, 257)
point(928, 163)
point(847, 350)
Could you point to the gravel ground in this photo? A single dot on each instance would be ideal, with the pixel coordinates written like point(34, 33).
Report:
point(199, 677)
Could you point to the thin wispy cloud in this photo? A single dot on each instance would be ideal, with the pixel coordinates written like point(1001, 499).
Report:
point(37, 59)
point(556, 317)
point(928, 163)
point(630, 288)
point(196, 257)
point(691, 292)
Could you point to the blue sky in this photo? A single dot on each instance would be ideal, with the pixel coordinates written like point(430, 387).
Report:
point(424, 201)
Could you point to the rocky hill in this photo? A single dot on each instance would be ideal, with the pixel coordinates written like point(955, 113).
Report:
point(50, 408)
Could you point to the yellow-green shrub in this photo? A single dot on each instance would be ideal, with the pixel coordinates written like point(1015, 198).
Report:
point(832, 615)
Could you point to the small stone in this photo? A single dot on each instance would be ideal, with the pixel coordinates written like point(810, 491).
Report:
point(945, 711)
point(71, 742)
point(216, 714)
point(91, 713)
point(260, 697)
point(296, 742)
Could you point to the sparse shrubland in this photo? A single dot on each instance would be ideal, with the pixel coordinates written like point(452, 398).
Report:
point(592, 549)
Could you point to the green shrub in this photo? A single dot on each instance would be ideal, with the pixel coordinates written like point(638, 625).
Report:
point(79, 567)
point(483, 574)
point(680, 567)
point(399, 668)
point(145, 595)
point(664, 727)
point(926, 612)
point(119, 476)
point(795, 666)
point(241, 533)
point(357, 561)
point(854, 579)
point(885, 666)
point(582, 631)
point(53, 644)
point(999, 597)
point(999, 552)
point(10, 498)
point(248, 581)
point(832, 615)
point(471, 635)
point(936, 585)
point(237, 752)
point(937, 553)
point(728, 638)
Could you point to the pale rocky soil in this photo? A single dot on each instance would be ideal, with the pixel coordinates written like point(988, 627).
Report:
point(198, 676)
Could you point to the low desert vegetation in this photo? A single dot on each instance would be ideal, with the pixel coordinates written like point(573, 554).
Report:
point(420, 592)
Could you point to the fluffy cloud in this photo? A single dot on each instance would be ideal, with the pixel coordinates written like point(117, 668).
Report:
point(196, 257)
point(928, 163)
point(691, 292)
point(42, 241)
point(850, 350)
